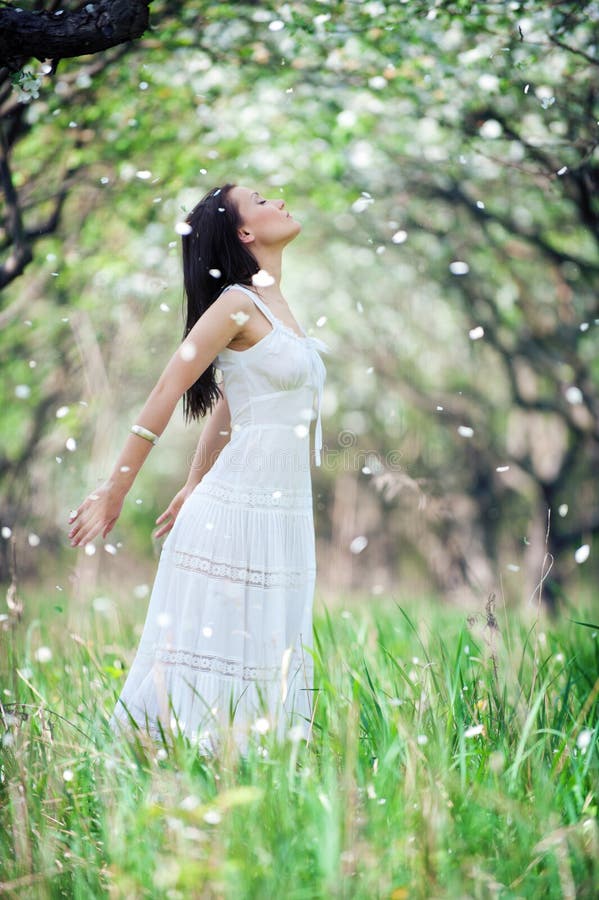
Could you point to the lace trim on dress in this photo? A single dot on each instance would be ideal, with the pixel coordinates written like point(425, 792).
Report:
point(220, 665)
point(263, 578)
point(256, 498)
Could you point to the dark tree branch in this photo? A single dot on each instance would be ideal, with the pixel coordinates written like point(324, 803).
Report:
point(13, 231)
point(590, 59)
point(21, 254)
point(581, 185)
point(50, 225)
point(62, 34)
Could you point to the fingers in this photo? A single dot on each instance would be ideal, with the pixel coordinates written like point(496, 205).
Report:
point(89, 520)
point(164, 529)
point(168, 525)
point(83, 532)
point(75, 532)
point(75, 516)
point(108, 528)
point(79, 540)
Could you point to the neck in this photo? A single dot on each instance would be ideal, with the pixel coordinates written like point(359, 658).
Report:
point(271, 260)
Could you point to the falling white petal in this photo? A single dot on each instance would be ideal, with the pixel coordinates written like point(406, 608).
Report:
point(574, 395)
point(187, 351)
point(262, 278)
point(358, 544)
point(582, 554)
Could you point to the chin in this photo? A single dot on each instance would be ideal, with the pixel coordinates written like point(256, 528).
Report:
point(292, 232)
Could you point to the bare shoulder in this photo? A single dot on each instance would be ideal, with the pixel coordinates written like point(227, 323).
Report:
point(233, 300)
point(220, 323)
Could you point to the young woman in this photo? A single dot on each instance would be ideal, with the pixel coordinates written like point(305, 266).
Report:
point(226, 645)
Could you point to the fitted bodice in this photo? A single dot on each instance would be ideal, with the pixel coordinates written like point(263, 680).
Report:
point(273, 383)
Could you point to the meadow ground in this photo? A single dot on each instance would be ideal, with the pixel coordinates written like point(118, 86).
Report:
point(451, 755)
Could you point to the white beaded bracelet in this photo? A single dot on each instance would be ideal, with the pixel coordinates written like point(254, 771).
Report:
point(145, 433)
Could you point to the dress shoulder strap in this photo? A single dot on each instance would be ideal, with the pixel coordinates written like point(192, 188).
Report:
point(257, 300)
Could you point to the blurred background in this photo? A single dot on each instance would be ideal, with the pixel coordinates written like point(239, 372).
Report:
point(442, 159)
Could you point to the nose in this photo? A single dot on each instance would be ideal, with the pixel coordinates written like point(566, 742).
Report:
point(281, 203)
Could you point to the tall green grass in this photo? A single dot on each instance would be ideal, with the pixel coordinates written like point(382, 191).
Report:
point(450, 756)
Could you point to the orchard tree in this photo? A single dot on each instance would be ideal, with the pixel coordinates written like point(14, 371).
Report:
point(445, 155)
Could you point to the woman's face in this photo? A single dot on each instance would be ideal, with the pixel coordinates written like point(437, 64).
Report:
point(265, 222)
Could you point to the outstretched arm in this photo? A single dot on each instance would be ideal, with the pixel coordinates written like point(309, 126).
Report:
point(211, 333)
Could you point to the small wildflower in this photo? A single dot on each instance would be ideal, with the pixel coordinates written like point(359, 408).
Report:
point(584, 739)
point(295, 734)
point(43, 654)
point(261, 726)
point(497, 762)
point(27, 85)
point(474, 730)
point(212, 817)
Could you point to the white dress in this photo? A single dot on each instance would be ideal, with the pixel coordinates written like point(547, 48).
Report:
point(227, 640)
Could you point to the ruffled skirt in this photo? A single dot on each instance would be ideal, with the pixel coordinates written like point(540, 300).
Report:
point(226, 644)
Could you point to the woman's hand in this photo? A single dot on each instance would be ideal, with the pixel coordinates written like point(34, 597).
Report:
point(173, 509)
point(98, 513)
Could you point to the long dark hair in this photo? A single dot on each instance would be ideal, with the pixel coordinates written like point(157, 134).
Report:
point(213, 257)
